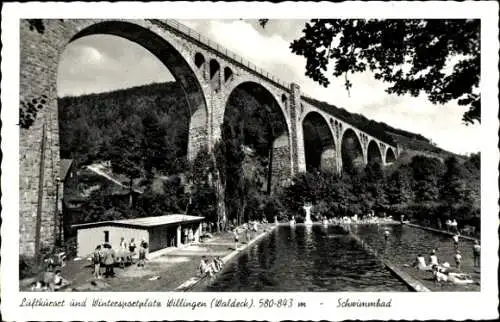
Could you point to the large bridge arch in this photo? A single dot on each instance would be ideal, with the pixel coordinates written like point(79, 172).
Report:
point(390, 156)
point(182, 66)
point(319, 143)
point(273, 122)
point(40, 55)
point(351, 150)
point(373, 153)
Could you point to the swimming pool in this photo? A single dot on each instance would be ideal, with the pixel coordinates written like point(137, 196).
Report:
point(309, 259)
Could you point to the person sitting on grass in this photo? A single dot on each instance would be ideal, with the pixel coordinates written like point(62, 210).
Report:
point(206, 268)
point(454, 278)
point(420, 263)
point(218, 263)
point(202, 266)
point(433, 258)
point(39, 286)
point(446, 268)
point(214, 267)
point(59, 281)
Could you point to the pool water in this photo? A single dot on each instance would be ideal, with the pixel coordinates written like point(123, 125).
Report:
point(305, 259)
point(405, 243)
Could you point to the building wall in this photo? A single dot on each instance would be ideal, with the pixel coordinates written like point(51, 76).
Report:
point(89, 238)
point(162, 236)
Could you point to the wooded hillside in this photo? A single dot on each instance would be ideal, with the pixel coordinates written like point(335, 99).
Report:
point(90, 125)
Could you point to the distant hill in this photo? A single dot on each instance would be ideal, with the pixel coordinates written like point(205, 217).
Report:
point(90, 124)
point(152, 116)
point(412, 142)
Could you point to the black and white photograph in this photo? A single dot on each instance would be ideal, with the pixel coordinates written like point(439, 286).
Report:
point(294, 155)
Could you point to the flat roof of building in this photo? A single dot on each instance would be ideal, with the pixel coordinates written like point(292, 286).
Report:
point(144, 222)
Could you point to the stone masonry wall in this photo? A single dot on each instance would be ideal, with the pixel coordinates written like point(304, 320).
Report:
point(38, 75)
point(297, 135)
point(281, 167)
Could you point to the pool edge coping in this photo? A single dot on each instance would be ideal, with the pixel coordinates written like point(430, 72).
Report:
point(226, 259)
point(414, 284)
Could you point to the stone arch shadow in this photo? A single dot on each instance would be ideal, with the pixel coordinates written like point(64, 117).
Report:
point(351, 150)
point(373, 153)
point(280, 155)
point(319, 143)
point(390, 156)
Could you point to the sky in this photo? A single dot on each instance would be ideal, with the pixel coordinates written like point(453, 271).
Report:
point(102, 63)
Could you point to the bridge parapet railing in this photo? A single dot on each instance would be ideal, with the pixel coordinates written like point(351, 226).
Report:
point(206, 41)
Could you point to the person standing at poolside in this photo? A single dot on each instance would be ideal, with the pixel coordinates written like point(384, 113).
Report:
point(131, 247)
point(454, 225)
point(248, 233)
point(448, 224)
point(142, 254)
point(455, 240)
point(433, 258)
point(236, 238)
point(190, 235)
point(109, 260)
point(96, 260)
point(458, 260)
point(386, 235)
point(476, 250)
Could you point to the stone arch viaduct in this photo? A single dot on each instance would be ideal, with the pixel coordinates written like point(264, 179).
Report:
point(207, 72)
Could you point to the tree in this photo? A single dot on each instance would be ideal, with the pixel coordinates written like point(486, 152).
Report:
point(163, 196)
point(151, 141)
point(411, 55)
point(203, 197)
point(399, 187)
point(455, 190)
point(426, 172)
point(126, 154)
point(220, 182)
point(375, 185)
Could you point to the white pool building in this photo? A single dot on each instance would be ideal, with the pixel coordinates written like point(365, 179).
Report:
point(160, 232)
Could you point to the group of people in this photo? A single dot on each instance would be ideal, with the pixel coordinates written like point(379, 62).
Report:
point(50, 281)
point(105, 256)
point(250, 229)
point(210, 268)
point(443, 272)
point(451, 225)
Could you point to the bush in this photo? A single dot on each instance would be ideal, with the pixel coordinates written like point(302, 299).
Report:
point(28, 267)
point(273, 207)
